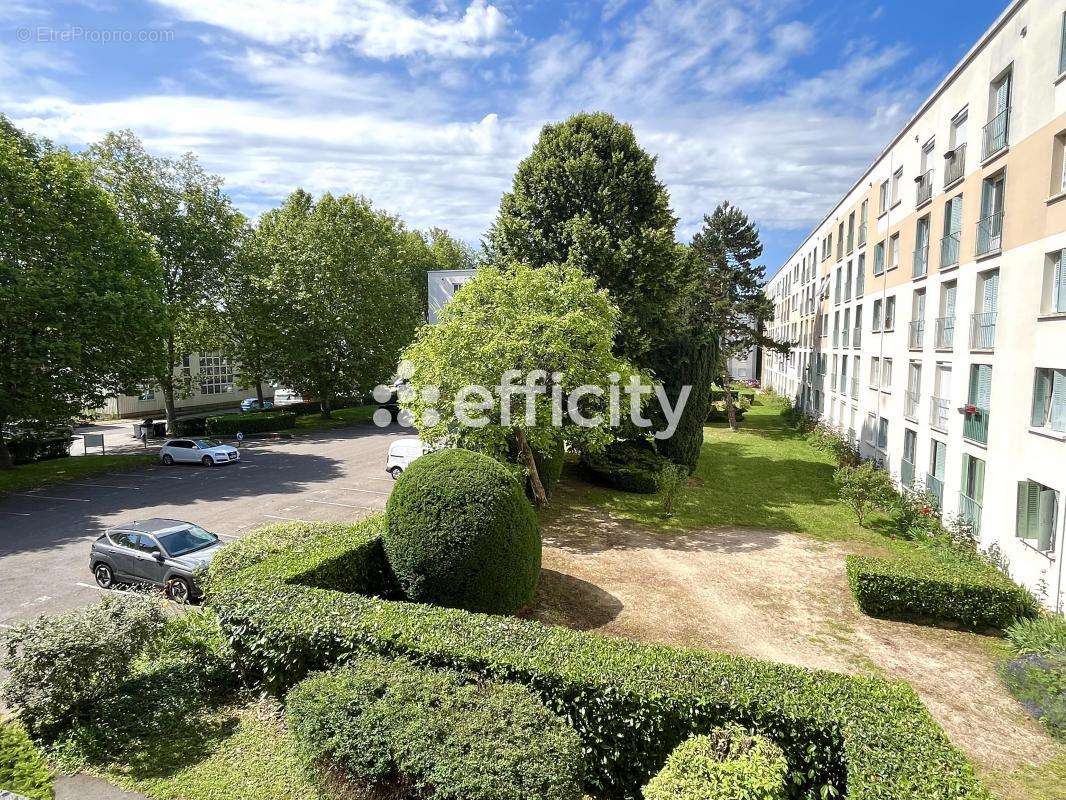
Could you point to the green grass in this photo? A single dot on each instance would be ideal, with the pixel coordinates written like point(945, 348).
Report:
point(765, 475)
point(57, 470)
point(1039, 781)
point(340, 418)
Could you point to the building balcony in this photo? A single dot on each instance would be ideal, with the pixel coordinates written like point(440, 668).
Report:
point(990, 234)
point(945, 333)
point(970, 514)
point(936, 489)
point(949, 250)
point(917, 334)
point(955, 165)
point(994, 134)
point(983, 331)
point(906, 473)
point(910, 405)
point(975, 424)
point(938, 413)
point(925, 189)
point(921, 261)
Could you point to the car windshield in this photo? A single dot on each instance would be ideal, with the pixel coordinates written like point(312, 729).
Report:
point(204, 444)
point(186, 540)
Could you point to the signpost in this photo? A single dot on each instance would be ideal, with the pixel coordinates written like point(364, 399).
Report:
point(240, 438)
point(93, 440)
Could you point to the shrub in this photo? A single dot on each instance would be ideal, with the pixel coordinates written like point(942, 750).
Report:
point(60, 665)
point(631, 465)
point(550, 465)
point(1038, 636)
point(252, 422)
point(190, 426)
point(672, 482)
point(827, 439)
point(727, 764)
point(27, 445)
point(915, 515)
point(395, 726)
point(718, 413)
point(1036, 671)
point(631, 703)
point(864, 488)
point(461, 533)
point(938, 582)
point(22, 768)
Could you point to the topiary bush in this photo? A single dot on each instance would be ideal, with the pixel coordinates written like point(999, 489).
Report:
point(632, 465)
point(252, 422)
point(461, 533)
point(388, 728)
point(942, 583)
point(726, 764)
point(22, 767)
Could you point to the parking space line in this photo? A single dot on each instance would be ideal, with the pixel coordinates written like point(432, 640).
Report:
point(287, 519)
point(52, 497)
point(365, 491)
point(15, 513)
point(103, 485)
point(344, 505)
point(91, 586)
point(7, 627)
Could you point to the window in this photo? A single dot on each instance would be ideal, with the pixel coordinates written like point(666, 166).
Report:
point(1058, 165)
point(851, 231)
point(864, 214)
point(897, 179)
point(877, 317)
point(216, 374)
point(949, 246)
point(934, 480)
point(879, 259)
point(890, 313)
point(955, 158)
point(990, 226)
point(1062, 46)
point(973, 477)
point(927, 158)
point(996, 130)
point(886, 373)
point(840, 242)
point(1037, 514)
point(1054, 295)
point(1049, 400)
point(921, 247)
point(875, 372)
point(147, 394)
point(893, 251)
point(837, 293)
point(870, 431)
point(882, 434)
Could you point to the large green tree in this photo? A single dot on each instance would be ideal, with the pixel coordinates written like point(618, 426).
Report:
point(588, 196)
point(345, 300)
point(79, 288)
point(193, 231)
point(549, 323)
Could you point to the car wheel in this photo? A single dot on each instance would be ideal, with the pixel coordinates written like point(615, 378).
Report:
point(207, 461)
point(178, 590)
point(395, 472)
point(105, 579)
point(168, 460)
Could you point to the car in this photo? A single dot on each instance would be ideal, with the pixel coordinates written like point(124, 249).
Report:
point(197, 451)
point(401, 453)
point(167, 553)
point(252, 404)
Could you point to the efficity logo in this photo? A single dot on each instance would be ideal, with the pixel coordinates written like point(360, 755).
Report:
point(517, 394)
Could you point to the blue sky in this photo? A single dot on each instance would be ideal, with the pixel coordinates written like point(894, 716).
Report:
point(426, 106)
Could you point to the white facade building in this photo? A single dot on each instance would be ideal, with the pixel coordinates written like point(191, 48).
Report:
point(930, 303)
point(443, 284)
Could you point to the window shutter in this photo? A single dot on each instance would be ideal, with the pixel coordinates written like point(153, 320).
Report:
point(956, 215)
point(1058, 400)
point(1060, 281)
point(977, 477)
point(991, 292)
point(1021, 530)
point(984, 386)
point(1003, 95)
point(1041, 398)
point(939, 459)
point(1047, 506)
point(1032, 502)
point(949, 301)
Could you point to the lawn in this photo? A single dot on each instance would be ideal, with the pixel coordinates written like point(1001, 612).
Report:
point(57, 470)
point(340, 418)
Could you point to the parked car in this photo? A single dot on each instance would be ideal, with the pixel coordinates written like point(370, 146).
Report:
point(197, 451)
point(252, 404)
point(402, 453)
point(167, 553)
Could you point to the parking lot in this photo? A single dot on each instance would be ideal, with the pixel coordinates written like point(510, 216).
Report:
point(335, 476)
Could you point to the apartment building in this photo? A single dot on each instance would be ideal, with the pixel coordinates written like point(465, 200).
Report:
point(929, 306)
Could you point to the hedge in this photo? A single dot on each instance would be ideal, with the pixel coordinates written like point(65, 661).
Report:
point(386, 725)
point(295, 598)
point(253, 422)
point(631, 465)
point(191, 426)
point(941, 584)
point(728, 764)
point(22, 767)
point(461, 533)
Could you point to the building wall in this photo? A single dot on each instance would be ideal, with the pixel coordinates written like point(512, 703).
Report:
point(442, 285)
point(1020, 337)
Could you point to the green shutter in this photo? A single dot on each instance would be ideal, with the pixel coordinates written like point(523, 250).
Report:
point(956, 215)
point(1041, 397)
point(983, 397)
point(1060, 283)
point(939, 458)
point(1062, 46)
point(991, 292)
point(1021, 530)
point(978, 486)
point(1003, 95)
point(1046, 512)
point(1058, 400)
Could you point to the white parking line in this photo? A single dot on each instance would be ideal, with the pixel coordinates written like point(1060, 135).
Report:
point(287, 519)
point(103, 485)
point(345, 505)
point(92, 586)
point(15, 513)
point(52, 497)
point(365, 491)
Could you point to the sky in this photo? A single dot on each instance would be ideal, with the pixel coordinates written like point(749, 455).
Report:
point(427, 106)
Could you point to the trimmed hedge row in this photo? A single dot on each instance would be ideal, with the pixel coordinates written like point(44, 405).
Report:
point(631, 703)
point(253, 422)
point(388, 726)
point(631, 466)
point(942, 584)
point(727, 764)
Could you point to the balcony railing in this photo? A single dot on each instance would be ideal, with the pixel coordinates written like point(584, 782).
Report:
point(936, 489)
point(862, 234)
point(990, 234)
point(921, 261)
point(917, 334)
point(975, 426)
point(983, 331)
point(910, 405)
point(995, 133)
point(925, 188)
point(906, 472)
point(955, 165)
point(949, 250)
point(945, 333)
point(970, 513)
point(938, 413)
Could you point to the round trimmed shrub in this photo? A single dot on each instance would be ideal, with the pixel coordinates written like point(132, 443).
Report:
point(727, 764)
point(461, 533)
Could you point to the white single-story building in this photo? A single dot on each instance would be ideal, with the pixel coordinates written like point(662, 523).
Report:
point(443, 284)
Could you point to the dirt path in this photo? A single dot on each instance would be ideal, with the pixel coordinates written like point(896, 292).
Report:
point(776, 596)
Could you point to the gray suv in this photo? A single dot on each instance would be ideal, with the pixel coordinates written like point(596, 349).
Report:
point(158, 552)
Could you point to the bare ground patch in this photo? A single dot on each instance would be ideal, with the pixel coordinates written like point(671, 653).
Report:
point(782, 597)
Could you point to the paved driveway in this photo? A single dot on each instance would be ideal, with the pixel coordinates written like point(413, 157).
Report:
point(45, 534)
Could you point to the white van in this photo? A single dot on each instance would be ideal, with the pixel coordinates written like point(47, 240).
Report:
point(401, 453)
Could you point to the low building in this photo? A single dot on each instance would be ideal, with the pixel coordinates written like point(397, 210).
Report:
point(442, 285)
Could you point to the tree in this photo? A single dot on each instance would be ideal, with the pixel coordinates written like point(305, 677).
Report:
point(78, 288)
point(345, 301)
point(551, 326)
point(865, 488)
point(193, 230)
point(728, 297)
point(588, 196)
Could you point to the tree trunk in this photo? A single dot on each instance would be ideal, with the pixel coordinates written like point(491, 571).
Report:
point(5, 453)
point(168, 404)
point(259, 390)
point(540, 497)
point(730, 407)
point(325, 407)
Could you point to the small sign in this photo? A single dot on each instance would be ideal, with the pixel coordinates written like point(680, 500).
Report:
point(93, 440)
point(240, 437)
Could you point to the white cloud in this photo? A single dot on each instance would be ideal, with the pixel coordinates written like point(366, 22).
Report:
point(375, 28)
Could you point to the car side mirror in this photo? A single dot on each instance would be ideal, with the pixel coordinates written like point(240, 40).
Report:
point(156, 553)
